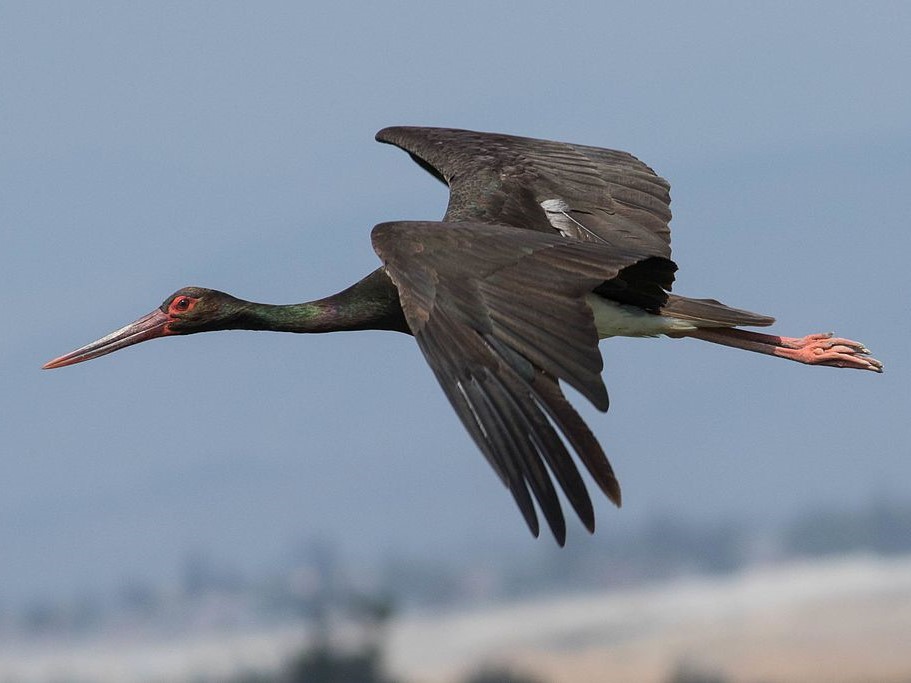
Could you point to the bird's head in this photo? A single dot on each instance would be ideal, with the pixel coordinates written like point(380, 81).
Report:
point(186, 311)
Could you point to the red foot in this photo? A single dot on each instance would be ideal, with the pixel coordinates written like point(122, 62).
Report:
point(824, 349)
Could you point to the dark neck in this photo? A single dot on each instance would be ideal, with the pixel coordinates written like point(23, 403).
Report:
point(371, 304)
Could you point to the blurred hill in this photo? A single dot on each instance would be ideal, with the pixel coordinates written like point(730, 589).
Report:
point(674, 599)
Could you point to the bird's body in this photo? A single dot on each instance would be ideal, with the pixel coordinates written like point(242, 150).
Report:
point(545, 247)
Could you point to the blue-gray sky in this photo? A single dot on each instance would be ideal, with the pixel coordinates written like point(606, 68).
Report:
point(147, 146)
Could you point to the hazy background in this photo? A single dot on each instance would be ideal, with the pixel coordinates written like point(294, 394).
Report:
point(147, 146)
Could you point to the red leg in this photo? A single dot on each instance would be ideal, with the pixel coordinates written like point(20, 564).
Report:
point(814, 349)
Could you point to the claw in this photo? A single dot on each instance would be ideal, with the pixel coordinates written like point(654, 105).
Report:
point(826, 349)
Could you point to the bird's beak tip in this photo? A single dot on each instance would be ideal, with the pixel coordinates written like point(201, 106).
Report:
point(55, 363)
point(148, 327)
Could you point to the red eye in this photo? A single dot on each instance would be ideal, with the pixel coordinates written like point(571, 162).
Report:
point(182, 304)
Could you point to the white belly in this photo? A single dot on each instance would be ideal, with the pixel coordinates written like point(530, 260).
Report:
point(619, 320)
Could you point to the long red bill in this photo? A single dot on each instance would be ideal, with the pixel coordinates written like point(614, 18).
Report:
point(153, 325)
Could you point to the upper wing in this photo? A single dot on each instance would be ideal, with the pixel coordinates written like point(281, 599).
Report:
point(586, 193)
point(500, 315)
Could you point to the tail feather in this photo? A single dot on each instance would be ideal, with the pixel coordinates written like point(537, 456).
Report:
point(711, 313)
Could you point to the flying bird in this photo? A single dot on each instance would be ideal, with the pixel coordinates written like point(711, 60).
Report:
point(545, 248)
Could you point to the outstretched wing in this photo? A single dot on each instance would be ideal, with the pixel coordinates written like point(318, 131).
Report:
point(586, 193)
point(500, 315)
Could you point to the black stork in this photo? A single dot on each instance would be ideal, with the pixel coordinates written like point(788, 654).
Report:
point(545, 247)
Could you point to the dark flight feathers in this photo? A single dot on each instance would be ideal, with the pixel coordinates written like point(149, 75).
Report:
point(596, 194)
point(498, 356)
point(495, 295)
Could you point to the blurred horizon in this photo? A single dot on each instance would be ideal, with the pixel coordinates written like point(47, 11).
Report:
point(668, 602)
